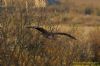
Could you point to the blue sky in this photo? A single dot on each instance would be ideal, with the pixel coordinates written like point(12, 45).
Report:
point(52, 1)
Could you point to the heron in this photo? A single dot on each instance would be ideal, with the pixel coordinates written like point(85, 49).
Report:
point(48, 34)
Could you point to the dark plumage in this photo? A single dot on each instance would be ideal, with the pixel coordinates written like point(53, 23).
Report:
point(47, 34)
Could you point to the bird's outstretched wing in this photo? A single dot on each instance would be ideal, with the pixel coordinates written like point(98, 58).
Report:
point(45, 32)
point(65, 35)
point(39, 29)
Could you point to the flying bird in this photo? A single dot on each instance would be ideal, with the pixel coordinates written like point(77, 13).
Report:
point(48, 34)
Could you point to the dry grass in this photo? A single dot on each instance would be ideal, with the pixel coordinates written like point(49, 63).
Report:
point(20, 46)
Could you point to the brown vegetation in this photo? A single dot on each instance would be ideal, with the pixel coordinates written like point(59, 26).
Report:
point(25, 47)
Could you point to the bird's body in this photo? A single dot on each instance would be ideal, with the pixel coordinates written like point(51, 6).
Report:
point(48, 34)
